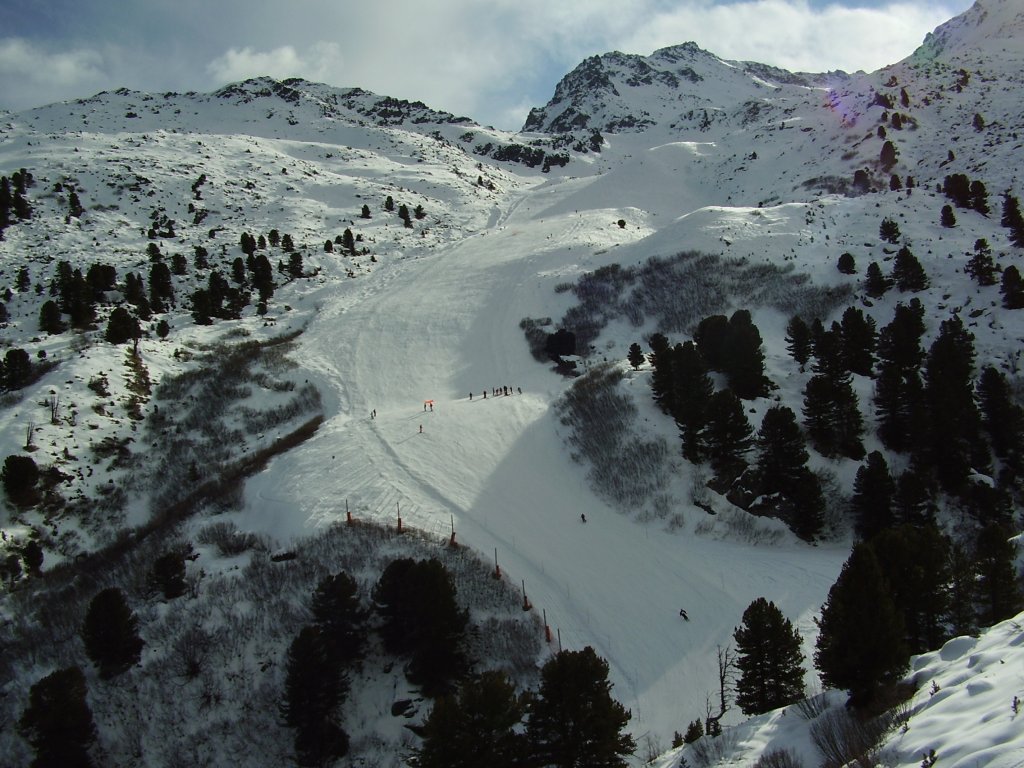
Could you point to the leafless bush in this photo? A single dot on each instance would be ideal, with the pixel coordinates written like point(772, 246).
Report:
point(228, 540)
point(712, 750)
point(190, 652)
point(812, 705)
point(624, 467)
point(842, 737)
point(735, 524)
point(680, 290)
point(779, 758)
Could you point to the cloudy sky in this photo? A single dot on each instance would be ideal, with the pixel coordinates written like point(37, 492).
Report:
point(488, 59)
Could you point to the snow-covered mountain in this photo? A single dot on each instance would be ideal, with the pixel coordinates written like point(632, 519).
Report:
point(634, 157)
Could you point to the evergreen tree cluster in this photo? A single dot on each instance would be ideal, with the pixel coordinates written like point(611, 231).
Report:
point(967, 194)
point(14, 205)
point(733, 347)
point(1012, 219)
point(571, 721)
point(907, 590)
point(712, 425)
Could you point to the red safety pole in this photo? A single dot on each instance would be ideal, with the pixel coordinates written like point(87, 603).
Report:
point(348, 514)
point(547, 629)
point(526, 601)
point(399, 508)
point(497, 568)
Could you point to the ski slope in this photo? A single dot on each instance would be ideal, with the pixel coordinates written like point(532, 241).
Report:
point(444, 326)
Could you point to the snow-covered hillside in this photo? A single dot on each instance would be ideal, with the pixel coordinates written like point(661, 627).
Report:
point(403, 337)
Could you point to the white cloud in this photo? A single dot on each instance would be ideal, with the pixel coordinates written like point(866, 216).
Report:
point(28, 70)
point(319, 61)
point(794, 35)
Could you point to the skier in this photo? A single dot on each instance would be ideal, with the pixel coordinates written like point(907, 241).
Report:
point(421, 429)
point(583, 517)
point(683, 614)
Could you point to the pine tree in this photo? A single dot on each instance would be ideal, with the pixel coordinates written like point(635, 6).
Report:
point(50, 321)
point(889, 231)
point(831, 413)
point(957, 187)
point(694, 731)
point(860, 340)
point(798, 340)
point(1012, 288)
point(887, 157)
point(915, 562)
point(110, 633)
point(981, 265)
point(872, 499)
point(998, 594)
point(729, 435)
point(907, 272)
point(860, 635)
point(421, 618)
point(1012, 219)
point(915, 499)
point(348, 241)
point(818, 415)
point(365, 212)
point(875, 283)
point(960, 590)
point(769, 659)
point(403, 214)
point(898, 388)
point(846, 264)
point(804, 510)
point(711, 337)
point(313, 690)
point(477, 726)
point(1002, 418)
point(58, 722)
point(692, 390)
point(340, 617)
point(952, 445)
point(743, 357)
point(947, 218)
point(661, 359)
point(781, 452)
point(168, 575)
point(17, 369)
point(573, 720)
point(635, 356)
point(121, 327)
point(389, 204)
point(20, 476)
point(979, 198)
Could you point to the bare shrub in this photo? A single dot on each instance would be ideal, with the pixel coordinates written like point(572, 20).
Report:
point(624, 467)
point(228, 540)
point(812, 705)
point(712, 750)
point(190, 652)
point(680, 290)
point(536, 336)
point(842, 737)
point(779, 758)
